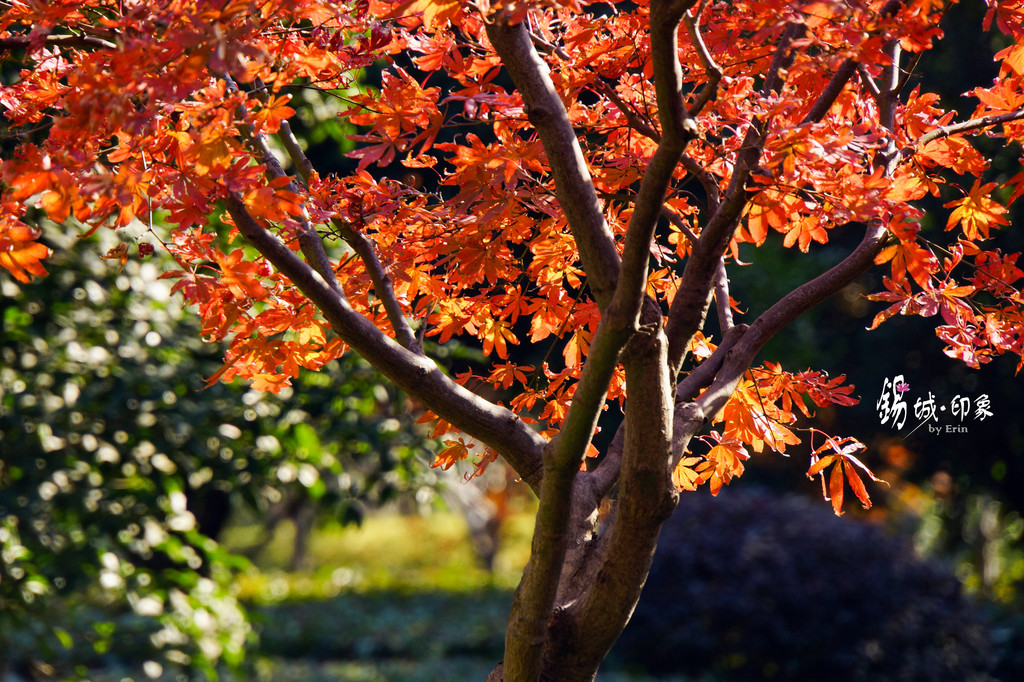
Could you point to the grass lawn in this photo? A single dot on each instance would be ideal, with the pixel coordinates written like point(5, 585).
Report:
point(386, 552)
point(398, 598)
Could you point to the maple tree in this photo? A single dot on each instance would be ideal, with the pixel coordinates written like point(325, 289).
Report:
point(595, 172)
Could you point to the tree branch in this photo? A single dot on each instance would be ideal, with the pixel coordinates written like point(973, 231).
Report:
point(309, 241)
point(312, 246)
point(869, 82)
point(704, 374)
point(708, 181)
point(693, 295)
point(674, 218)
point(722, 303)
point(367, 252)
point(888, 99)
point(964, 127)
point(721, 275)
point(535, 595)
point(418, 376)
point(787, 309)
point(711, 68)
point(810, 294)
point(677, 130)
point(690, 306)
point(646, 497)
point(620, 316)
point(828, 96)
point(586, 629)
point(842, 75)
point(52, 40)
point(688, 419)
point(632, 118)
point(689, 309)
point(303, 166)
point(527, 631)
point(574, 188)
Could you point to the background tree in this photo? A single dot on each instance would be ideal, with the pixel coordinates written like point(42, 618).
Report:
point(119, 471)
point(595, 172)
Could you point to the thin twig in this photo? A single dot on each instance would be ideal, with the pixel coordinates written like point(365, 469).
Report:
point(382, 286)
point(631, 116)
point(69, 41)
point(674, 218)
point(908, 73)
point(711, 68)
point(309, 241)
point(966, 126)
point(722, 302)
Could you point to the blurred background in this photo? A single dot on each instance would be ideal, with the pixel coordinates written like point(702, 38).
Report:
point(152, 527)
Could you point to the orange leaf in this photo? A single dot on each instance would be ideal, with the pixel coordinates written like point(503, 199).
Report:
point(857, 486)
point(455, 450)
point(977, 212)
point(576, 348)
point(804, 230)
point(240, 276)
point(118, 253)
point(268, 118)
point(436, 13)
point(20, 254)
point(684, 477)
point(908, 256)
point(835, 488)
point(1012, 57)
point(820, 465)
point(496, 335)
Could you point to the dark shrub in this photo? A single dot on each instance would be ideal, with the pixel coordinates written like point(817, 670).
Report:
point(752, 586)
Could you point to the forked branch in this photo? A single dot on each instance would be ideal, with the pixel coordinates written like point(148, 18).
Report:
point(677, 130)
point(689, 309)
point(787, 309)
point(574, 188)
point(711, 68)
point(311, 243)
point(418, 376)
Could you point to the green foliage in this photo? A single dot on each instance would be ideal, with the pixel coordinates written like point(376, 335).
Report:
point(119, 469)
point(982, 538)
point(382, 671)
point(754, 586)
point(388, 625)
